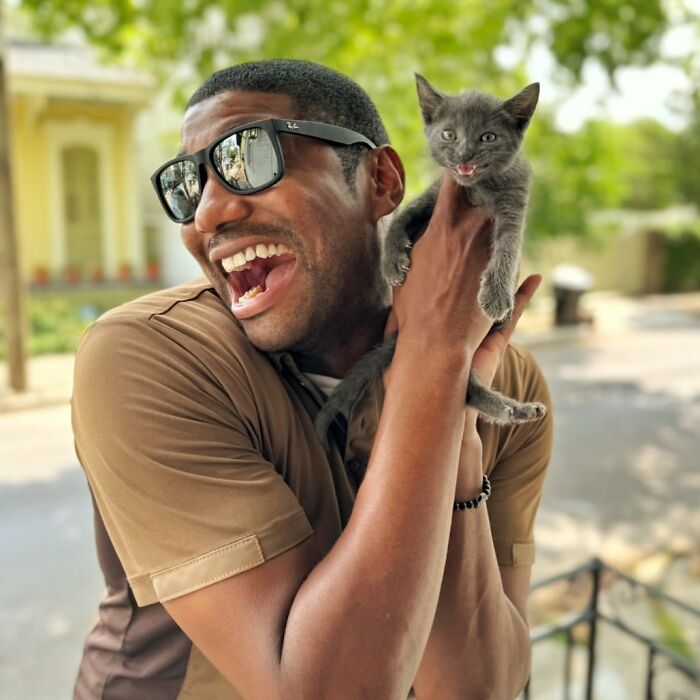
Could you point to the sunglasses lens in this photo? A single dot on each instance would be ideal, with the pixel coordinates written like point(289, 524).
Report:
point(179, 184)
point(247, 159)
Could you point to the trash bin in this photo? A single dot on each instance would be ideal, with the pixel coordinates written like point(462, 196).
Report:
point(570, 283)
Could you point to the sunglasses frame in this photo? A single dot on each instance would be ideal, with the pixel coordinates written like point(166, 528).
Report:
point(326, 132)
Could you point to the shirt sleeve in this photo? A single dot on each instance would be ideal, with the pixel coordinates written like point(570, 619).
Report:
point(517, 476)
point(176, 470)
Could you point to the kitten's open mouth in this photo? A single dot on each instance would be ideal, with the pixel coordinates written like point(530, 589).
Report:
point(464, 170)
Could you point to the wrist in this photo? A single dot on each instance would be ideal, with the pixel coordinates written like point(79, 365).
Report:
point(473, 503)
point(435, 347)
point(470, 472)
point(434, 353)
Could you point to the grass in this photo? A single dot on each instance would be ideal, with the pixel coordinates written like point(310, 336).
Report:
point(672, 634)
point(58, 317)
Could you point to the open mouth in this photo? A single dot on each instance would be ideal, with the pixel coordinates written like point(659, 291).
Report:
point(464, 170)
point(258, 282)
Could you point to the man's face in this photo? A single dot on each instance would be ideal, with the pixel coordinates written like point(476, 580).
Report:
point(329, 279)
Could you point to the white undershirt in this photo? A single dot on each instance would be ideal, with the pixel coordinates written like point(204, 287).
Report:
point(324, 383)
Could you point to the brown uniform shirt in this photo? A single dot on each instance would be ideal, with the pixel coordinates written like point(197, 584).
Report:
point(202, 461)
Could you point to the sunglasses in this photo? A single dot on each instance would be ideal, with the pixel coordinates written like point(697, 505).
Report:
point(245, 160)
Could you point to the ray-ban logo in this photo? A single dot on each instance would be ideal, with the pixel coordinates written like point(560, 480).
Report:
point(292, 125)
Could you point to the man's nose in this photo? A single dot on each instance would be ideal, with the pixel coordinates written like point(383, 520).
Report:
point(218, 206)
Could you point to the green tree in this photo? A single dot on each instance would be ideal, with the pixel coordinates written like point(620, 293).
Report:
point(687, 154)
point(381, 43)
point(574, 174)
point(649, 165)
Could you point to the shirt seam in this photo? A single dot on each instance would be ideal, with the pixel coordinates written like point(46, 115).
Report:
point(219, 549)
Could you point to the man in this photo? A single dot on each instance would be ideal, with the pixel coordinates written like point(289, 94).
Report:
point(296, 573)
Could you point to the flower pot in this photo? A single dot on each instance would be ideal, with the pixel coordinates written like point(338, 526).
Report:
point(41, 276)
point(124, 272)
point(72, 274)
point(153, 270)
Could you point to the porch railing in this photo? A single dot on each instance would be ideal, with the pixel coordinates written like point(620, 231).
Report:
point(665, 649)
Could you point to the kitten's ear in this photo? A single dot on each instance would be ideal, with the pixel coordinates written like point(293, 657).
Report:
point(429, 98)
point(522, 106)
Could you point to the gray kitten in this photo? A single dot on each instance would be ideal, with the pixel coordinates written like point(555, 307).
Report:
point(477, 137)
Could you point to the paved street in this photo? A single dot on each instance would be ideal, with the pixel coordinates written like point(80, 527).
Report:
point(624, 478)
point(624, 482)
point(624, 485)
point(51, 584)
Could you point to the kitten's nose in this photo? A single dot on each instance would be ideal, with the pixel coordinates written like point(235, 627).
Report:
point(466, 157)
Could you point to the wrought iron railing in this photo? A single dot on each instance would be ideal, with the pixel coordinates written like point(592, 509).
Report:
point(654, 622)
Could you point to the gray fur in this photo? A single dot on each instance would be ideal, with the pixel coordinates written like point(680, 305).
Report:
point(455, 127)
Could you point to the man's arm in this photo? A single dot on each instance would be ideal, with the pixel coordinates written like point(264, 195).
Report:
point(479, 646)
point(356, 623)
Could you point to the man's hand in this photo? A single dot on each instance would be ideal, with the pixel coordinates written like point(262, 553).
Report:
point(439, 298)
point(456, 227)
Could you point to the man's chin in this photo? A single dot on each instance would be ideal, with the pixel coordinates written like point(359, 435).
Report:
point(266, 333)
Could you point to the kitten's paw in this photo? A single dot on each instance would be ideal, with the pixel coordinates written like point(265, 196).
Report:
point(510, 412)
point(396, 268)
point(526, 412)
point(496, 303)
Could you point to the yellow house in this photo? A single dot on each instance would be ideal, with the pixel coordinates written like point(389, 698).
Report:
point(77, 204)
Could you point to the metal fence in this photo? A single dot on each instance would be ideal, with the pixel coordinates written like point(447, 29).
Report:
point(610, 594)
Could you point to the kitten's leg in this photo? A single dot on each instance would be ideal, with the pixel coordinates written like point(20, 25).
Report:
point(494, 406)
point(344, 395)
point(498, 408)
point(497, 293)
point(403, 232)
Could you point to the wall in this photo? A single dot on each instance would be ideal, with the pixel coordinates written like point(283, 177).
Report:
point(40, 128)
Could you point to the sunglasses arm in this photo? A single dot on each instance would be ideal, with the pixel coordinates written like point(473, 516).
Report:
point(327, 132)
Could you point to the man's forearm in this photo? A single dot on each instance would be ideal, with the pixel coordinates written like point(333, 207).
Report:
point(479, 645)
point(365, 612)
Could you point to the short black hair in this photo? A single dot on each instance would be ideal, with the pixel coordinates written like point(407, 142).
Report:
point(318, 93)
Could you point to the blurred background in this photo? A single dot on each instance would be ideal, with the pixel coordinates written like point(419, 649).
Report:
point(91, 97)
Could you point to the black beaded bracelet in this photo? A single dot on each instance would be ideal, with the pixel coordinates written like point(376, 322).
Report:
point(476, 502)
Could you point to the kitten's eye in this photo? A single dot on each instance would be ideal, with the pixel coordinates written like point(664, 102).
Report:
point(488, 136)
point(448, 135)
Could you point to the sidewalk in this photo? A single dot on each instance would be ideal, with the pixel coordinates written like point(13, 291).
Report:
point(50, 381)
point(50, 377)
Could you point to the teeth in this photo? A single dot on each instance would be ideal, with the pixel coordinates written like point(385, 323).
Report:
point(250, 293)
point(239, 261)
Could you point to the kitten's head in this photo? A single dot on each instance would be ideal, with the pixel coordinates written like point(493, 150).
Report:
point(472, 134)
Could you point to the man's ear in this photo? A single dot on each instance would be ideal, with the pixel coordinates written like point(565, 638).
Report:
point(387, 180)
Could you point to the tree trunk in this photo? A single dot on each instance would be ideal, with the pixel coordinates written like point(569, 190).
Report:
point(9, 259)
